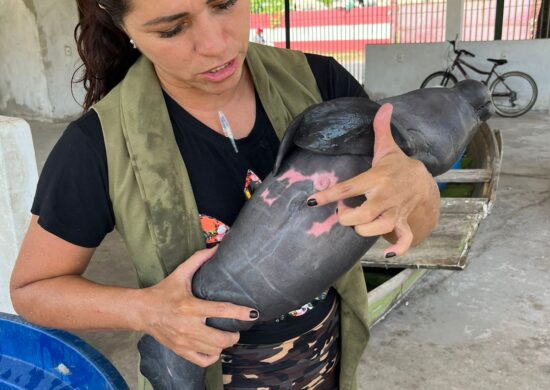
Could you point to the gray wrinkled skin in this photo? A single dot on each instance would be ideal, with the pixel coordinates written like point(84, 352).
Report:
point(277, 256)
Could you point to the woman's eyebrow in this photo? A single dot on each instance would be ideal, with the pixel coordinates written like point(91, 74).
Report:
point(170, 18)
point(165, 19)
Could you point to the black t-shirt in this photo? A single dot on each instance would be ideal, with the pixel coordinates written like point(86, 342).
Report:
point(72, 197)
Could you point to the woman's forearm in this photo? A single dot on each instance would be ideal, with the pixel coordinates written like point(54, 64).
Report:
point(72, 302)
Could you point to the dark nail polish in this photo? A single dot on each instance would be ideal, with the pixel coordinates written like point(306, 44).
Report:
point(311, 202)
point(254, 314)
point(336, 210)
point(389, 254)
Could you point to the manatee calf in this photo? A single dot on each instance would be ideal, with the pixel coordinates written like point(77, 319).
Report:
point(280, 253)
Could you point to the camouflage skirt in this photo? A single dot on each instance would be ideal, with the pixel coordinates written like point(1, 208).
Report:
point(308, 361)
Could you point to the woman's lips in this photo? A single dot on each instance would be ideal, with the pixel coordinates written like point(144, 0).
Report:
point(221, 72)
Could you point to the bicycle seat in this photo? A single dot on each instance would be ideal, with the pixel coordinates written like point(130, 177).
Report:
point(498, 62)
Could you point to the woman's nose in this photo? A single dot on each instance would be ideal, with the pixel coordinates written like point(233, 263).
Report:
point(209, 37)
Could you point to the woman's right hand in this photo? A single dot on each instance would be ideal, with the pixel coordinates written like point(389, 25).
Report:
point(176, 319)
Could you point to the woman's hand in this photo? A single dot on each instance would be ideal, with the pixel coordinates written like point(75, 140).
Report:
point(47, 280)
point(402, 197)
point(176, 319)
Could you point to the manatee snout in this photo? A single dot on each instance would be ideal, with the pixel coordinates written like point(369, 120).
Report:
point(478, 96)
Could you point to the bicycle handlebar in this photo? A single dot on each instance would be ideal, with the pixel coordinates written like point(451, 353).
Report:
point(466, 52)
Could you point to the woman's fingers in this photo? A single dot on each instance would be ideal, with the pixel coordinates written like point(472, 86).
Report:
point(383, 224)
point(211, 341)
point(366, 213)
point(200, 359)
point(177, 319)
point(195, 338)
point(188, 268)
point(218, 338)
point(387, 222)
point(212, 309)
point(384, 143)
point(404, 236)
point(358, 185)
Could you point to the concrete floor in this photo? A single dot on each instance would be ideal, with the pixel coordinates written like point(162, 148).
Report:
point(486, 327)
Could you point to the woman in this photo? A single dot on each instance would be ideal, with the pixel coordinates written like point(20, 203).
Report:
point(111, 168)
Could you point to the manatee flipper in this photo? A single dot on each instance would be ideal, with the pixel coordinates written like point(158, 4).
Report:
point(337, 127)
point(165, 370)
point(287, 143)
point(334, 127)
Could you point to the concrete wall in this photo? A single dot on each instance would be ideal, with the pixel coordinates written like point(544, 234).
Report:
point(37, 58)
point(395, 69)
point(22, 76)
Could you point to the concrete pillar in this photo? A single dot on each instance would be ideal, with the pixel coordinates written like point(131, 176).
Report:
point(453, 22)
point(18, 178)
point(38, 57)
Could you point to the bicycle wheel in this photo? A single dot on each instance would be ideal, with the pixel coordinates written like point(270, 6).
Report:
point(513, 94)
point(438, 80)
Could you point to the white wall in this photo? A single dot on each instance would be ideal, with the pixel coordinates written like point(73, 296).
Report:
point(56, 22)
point(22, 73)
point(396, 69)
point(37, 58)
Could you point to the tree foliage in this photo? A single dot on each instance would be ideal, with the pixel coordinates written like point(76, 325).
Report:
point(267, 6)
point(272, 6)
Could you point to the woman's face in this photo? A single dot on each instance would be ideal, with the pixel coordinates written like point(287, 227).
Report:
point(197, 44)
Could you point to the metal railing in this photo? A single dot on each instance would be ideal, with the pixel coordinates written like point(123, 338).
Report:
point(487, 20)
point(342, 28)
point(416, 21)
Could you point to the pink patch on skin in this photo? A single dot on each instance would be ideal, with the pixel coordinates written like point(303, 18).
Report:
point(326, 226)
point(292, 176)
point(321, 181)
point(320, 228)
point(269, 201)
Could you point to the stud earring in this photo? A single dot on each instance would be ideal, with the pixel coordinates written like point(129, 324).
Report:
point(133, 44)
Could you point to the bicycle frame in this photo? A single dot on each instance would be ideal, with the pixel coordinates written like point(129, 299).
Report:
point(499, 87)
point(458, 62)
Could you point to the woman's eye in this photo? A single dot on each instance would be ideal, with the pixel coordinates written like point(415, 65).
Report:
point(226, 5)
point(171, 33)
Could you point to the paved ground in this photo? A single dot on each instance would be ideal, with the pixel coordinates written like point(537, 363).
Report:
point(485, 327)
point(482, 328)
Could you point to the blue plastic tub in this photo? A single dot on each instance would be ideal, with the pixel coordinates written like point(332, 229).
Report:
point(456, 165)
point(32, 357)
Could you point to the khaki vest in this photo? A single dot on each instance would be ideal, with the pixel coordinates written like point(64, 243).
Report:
point(155, 211)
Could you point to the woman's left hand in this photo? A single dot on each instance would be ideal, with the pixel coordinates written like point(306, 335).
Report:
point(402, 197)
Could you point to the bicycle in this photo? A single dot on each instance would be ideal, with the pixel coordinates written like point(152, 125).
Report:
point(513, 93)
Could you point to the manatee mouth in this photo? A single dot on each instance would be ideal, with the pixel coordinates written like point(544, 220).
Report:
point(485, 110)
point(478, 96)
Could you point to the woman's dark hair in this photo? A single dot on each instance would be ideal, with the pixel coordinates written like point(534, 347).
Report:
point(103, 46)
